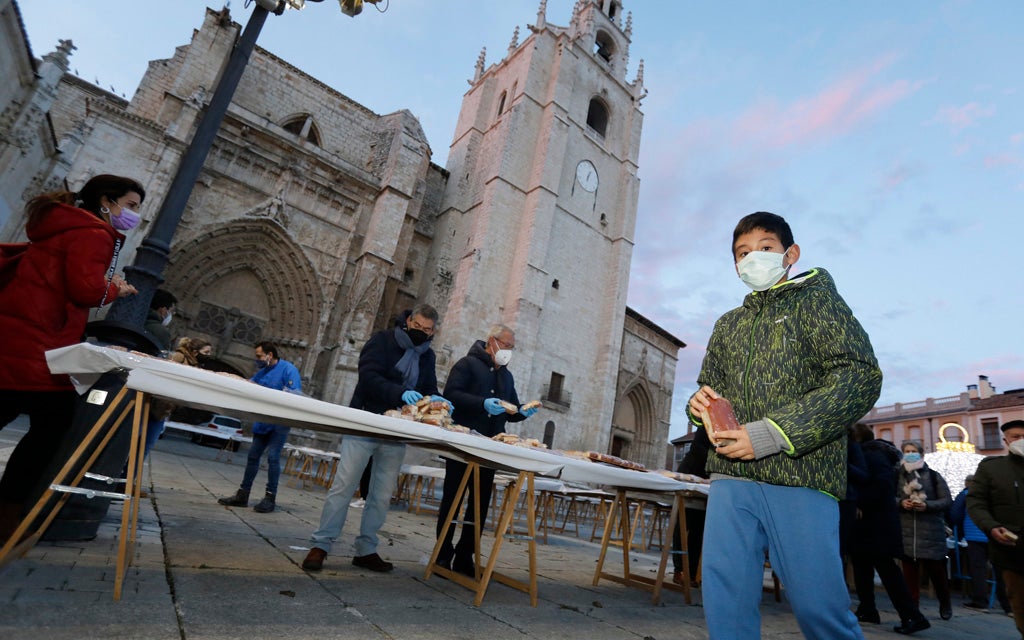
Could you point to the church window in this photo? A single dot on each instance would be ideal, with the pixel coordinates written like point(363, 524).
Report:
point(613, 9)
point(549, 434)
point(555, 387)
point(604, 46)
point(597, 117)
point(304, 127)
point(501, 102)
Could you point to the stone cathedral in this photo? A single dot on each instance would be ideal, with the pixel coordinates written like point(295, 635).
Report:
point(315, 220)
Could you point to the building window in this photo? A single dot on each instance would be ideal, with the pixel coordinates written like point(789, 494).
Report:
point(885, 434)
point(555, 388)
point(604, 46)
point(597, 117)
point(549, 434)
point(990, 434)
point(303, 127)
point(501, 102)
point(914, 433)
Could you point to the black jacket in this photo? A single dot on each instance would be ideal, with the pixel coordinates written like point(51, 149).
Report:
point(380, 385)
point(473, 379)
point(877, 532)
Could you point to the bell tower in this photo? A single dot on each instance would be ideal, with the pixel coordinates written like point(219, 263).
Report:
point(538, 216)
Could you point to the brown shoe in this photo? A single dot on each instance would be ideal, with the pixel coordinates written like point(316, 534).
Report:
point(373, 562)
point(314, 559)
point(677, 577)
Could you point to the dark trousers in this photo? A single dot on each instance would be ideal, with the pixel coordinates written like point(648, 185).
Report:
point(976, 556)
point(694, 541)
point(50, 414)
point(864, 568)
point(936, 570)
point(453, 472)
point(271, 442)
point(1015, 592)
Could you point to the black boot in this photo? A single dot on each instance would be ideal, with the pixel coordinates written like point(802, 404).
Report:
point(266, 505)
point(240, 499)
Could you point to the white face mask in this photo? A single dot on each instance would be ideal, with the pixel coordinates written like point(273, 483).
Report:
point(1017, 447)
point(760, 270)
point(167, 319)
point(502, 357)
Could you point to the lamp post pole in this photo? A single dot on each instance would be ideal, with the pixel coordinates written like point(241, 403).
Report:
point(146, 274)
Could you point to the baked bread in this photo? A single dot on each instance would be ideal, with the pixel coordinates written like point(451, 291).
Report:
point(533, 404)
point(719, 416)
point(508, 407)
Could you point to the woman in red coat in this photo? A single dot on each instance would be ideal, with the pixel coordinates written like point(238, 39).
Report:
point(67, 269)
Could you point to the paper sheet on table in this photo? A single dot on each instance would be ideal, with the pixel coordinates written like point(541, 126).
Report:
point(232, 395)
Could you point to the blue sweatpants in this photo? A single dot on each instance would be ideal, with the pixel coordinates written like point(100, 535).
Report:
point(799, 528)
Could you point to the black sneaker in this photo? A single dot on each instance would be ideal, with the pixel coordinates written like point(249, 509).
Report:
point(868, 615)
point(912, 626)
point(976, 605)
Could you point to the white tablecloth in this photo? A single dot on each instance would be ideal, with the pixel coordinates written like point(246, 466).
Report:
point(227, 394)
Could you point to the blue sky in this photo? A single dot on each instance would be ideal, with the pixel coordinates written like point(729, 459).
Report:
point(890, 135)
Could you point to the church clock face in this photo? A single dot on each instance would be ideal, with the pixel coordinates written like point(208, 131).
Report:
point(586, 174)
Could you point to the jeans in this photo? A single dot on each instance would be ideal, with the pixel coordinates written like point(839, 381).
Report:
point(387, 463)
point(153, 431)
point(799, 528)
point(271, 442)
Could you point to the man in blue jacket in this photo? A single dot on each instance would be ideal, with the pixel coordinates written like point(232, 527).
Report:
point(274, 373)
point(396, 367)
point(476, 387)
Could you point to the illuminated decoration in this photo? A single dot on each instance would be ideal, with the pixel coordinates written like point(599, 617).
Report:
point(954, 460)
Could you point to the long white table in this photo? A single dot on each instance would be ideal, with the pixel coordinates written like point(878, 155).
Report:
point(191, 386)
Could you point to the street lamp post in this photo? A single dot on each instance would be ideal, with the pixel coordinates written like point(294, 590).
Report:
point(124, 322)
point(146, 273)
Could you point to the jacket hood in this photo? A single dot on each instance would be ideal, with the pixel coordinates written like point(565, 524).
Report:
point(479, 351)
point(884, 447)
point(816, 278)
point(61, 218)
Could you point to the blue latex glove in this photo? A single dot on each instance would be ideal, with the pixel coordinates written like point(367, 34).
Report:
point(451, 407)
point(528, 412)
point(411, 397)
point(493, 406)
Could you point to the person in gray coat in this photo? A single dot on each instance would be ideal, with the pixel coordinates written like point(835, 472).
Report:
point(924, 498)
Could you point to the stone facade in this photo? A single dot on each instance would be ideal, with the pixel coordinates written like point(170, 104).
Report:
point(314, 219)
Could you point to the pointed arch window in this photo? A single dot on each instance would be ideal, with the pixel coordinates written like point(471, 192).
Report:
point(597, 117)
point(501, 102)
point(604, 46)
point(303, 126)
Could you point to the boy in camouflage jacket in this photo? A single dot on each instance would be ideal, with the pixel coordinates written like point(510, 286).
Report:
point(798, 368)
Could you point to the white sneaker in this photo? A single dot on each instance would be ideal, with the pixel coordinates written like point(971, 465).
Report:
point(358, 503)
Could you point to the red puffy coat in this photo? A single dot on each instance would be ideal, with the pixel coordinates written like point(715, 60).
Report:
point(61, 275)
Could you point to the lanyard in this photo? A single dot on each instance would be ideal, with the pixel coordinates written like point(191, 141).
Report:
point(110, 271)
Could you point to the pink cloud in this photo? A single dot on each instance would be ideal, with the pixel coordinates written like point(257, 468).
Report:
point(959, 118)
point(1003, 160)
point(1017, 138)
point(835, 111)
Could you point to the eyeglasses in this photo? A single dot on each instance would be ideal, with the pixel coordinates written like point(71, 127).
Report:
point(505, 345)
point(427, 329)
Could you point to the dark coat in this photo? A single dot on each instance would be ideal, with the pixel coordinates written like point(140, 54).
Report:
point(473, 379)
point(877, 531)
point(380, 386)
point(61, 275)
point(924, 532)
point(696, 459)
point(995, 501)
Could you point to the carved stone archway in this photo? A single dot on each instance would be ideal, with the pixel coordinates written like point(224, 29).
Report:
point(253, 274)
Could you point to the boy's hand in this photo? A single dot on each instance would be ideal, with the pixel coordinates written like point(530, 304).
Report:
point(740, 448)
point(701, 400)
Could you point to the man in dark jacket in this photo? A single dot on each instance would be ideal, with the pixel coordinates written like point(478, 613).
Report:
point(877, 540)
point(476, 386)
point(396, 367)
point(995, 505)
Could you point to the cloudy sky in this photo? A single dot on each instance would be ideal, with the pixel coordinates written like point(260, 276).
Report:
point(890, 135)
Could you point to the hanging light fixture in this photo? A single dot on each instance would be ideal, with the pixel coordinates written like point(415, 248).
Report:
point(955, 460)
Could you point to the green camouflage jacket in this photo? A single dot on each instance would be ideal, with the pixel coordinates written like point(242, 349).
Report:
point(796, 356)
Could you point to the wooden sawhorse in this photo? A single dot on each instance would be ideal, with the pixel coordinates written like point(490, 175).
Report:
point(484, 575)
point(620, 508)
point(66, 482)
